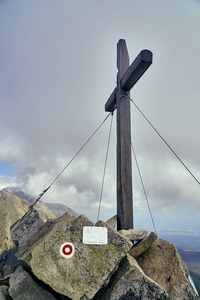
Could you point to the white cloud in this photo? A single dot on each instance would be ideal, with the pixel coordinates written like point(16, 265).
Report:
point(12, 148)
point(6, 181)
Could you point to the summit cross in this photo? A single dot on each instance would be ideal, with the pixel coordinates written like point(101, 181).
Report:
point(120, 99)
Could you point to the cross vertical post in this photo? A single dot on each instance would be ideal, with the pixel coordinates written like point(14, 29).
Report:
point(120, 99)
point(124, 165)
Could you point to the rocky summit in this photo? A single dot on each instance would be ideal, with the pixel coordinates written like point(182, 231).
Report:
point(55, 260)
point(93, 271)
point(81, 275)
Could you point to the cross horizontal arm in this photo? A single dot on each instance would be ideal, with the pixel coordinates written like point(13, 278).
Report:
point(132, 75)
point(136, 70)
point(111, 102)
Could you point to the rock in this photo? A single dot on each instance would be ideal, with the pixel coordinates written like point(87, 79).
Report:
point(162, 263)
point(112, 221)
point(4, 293)
point(22, 286)
point(88, 270)
point(130, 282)
point(5, 280)
point(133, 234)
point(12, 208)
point(99, 272)
point(142, 245)
point(25, 228)
point(8, 269)
point(37, 236)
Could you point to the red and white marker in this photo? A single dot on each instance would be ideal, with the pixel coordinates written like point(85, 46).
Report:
point(67, 250)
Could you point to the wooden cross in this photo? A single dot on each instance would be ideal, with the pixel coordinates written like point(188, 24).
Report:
point(120, 99)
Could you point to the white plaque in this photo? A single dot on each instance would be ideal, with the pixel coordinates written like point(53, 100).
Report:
point(95, 235)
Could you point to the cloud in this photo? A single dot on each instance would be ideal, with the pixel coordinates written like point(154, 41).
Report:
point(11, 148)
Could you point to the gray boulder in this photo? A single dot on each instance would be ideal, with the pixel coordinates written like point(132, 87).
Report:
point(8, 269)
point(112, 221)
point(142, 245)
point(130, 282)
point(22, 286)
point(83, 274)
point(4, 293)
point(163, 264)
point(133, 234)
point(25, 228)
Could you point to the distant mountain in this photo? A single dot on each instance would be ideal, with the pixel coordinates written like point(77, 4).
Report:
point(190, 255)
point(56, 209)
point(188, 240)
point(19, 193)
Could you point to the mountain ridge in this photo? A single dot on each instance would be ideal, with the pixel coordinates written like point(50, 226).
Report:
point(57, 209)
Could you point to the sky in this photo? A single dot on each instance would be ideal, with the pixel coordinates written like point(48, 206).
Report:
point(57, 70)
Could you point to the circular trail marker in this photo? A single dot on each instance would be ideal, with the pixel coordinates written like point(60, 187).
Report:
point(67, 250)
